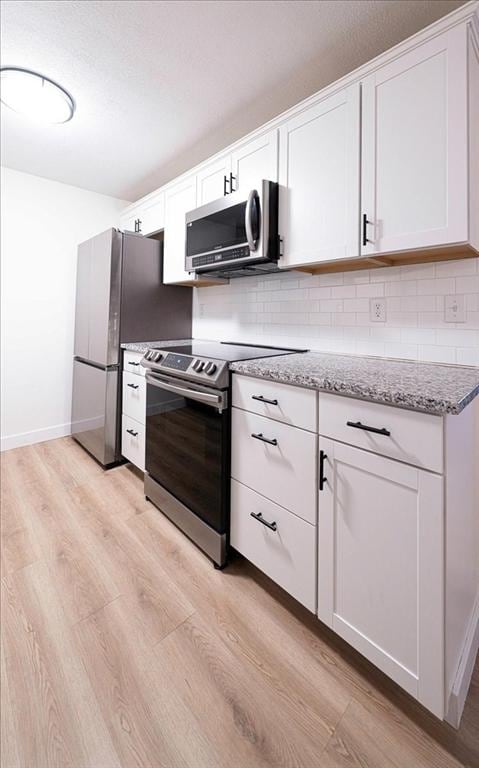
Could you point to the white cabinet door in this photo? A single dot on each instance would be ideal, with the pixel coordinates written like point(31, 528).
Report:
point(179, 199)
point(152, 217)
point(319, 157)
point(381, 564)
point(414, 148)
point(130, 218)
point(255, 160)
point(213, 180)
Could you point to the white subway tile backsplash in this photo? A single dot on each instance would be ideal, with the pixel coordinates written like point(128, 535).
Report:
point(343, 292)
point(437, 286)
point(456, 268)
point(356, 305)
point(467, 284)
point(320, 293)
point(437, 354)
point(370, 290)
point(401, 288)
point(330, 305)
point(330, 312)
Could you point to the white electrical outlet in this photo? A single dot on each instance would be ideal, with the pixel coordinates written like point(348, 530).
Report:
point(455, 309)
point(377, 310)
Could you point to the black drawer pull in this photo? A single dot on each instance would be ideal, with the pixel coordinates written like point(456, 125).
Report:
point(358, 425)
point(130, 362)
point(133, 386)
point(132, 432)
point(322, 478)
point(264, 439)
point(259, 517)
point(264, 399)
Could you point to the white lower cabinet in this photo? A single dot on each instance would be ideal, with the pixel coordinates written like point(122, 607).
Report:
point(381, 545)
point(384, 523)
point(133, 416)
point(133, 441)
point(277, 460)
point(278, 542)
point(134, 396)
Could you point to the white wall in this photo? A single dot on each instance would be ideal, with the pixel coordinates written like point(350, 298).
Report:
point(331, 312)
point(42, 223)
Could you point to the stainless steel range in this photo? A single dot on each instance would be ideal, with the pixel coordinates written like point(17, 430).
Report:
point(188, 436)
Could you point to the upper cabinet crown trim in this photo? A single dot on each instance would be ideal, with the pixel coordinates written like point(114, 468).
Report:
point(467, 13)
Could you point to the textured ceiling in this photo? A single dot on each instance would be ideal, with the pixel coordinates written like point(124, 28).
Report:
point(160, 85)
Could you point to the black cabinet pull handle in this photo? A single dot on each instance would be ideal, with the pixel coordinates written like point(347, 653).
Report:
point(132, 432)
point(232, 178)
point(138, 225)
point(264, 439)
point(365, 223)
point(133, 386)
point(358, 425)
point(225, 182)
point(264, 399)
point(130, 362)
point(322, 478)
point(259, 517)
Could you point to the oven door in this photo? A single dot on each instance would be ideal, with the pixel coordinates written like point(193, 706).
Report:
point(188, 446)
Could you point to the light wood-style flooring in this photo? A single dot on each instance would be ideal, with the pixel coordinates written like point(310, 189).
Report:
point(122, 647)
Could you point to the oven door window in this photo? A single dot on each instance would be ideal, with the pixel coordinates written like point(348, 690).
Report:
point(222, 229)
point(187, 452)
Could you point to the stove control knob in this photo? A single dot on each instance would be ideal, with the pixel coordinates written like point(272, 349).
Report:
point(148, 355)
point(210, 369)
point(198, 366)
point(156, 356)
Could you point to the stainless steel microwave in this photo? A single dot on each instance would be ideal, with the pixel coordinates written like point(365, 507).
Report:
point(235, 235)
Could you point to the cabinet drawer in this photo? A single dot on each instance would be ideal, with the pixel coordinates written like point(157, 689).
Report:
point(291, 405)
point(415, 438)
point(131, 362)
point(133, 441)
point(134, 396)
point(283, 470)
point(287, 555)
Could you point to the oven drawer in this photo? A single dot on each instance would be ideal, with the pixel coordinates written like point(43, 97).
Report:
point(133, 441)
point(134, 396)
point(287, 555)
point(414, 438)
point(131, 362)
point(282, 402)
point(283, 470)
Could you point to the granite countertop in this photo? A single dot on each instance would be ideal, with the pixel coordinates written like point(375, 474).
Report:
point(427, 387)
point(142, 346)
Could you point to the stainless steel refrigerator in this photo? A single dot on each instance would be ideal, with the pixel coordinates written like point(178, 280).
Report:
point(119, 298)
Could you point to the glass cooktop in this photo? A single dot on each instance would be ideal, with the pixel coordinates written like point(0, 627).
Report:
point(228, 351)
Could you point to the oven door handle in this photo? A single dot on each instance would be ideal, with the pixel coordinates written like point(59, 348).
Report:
point(218, 401)
point(252, 241)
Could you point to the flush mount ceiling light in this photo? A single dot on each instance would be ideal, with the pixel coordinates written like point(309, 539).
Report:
point(35, 95)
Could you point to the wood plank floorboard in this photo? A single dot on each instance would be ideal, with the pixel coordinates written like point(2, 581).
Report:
point(122, 647)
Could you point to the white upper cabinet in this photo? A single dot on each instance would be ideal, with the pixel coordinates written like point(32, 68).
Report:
point(152, 217)
point(255, 160)
point(130, 219)
point(179, 199)
point(414, 148)
point(383, 162)
point(319, 181)
point(213, 180)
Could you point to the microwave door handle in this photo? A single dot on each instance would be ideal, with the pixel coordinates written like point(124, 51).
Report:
point(247, 219)
point(216, 401)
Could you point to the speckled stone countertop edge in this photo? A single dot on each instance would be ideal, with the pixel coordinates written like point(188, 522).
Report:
point(407, 400)
point(142, 346)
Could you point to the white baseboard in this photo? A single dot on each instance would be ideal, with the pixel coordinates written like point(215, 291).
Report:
point(462, 681)
point(37, 436)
